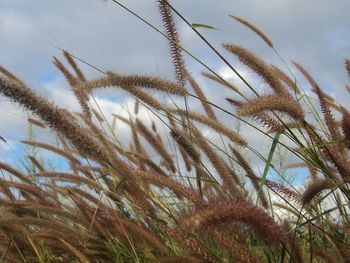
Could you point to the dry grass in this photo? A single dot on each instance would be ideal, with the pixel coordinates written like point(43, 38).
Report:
point(191, 202)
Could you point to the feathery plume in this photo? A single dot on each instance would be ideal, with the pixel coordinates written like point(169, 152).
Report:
point(75, 251)
point(347, 66)
point(192, 245)
point(234, 211)
point(56, 118)
point(233, 136)
point(164, 181)
point(156, 144)
point(314, 188)
point(10, 75)
point(273, 103)
point(328, 116)
point(15, 172)
point(36, 163)
point(220, 81)
point(114, 79)
point(255, 181)
point(79, 93)
point(262, 117)
point(174, 41)
point(286, 79)
point(346, 127)
point(239, 251)
point(208, 110)
point(254, 29)
point(182, 139)
point(259, 67)
point(218, 163)
point(36, 122)
point(74, 65)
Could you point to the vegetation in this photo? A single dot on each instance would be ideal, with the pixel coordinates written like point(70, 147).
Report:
point(178, 196)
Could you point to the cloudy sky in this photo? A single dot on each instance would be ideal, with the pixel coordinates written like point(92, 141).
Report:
point(316, 33)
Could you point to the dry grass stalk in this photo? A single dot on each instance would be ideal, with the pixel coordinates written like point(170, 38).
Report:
point(164, 181)
point(220, 81)
point(36, 122)
point(174, 41)
point(253, 28)
point(264, 70)
point(15, 172)
point(156, 144)
point(251, 174)
point(286, 79)
point(208, 109)
point(315, 188)
point(272, 103)
point(70, 178)
point(10, 75)
point(74, 65)
point(238, 250)
point(75, 251)
point(74, 82)
point(145, 97)
point(218, 163)
point(262, 117)
point(114, 79)
point(136, 107)
point(234, 211)
point(193, 246)
point(53, 149)
point(347, 66)
point(57, 119)
point(233, 136)
point(328, 116)
point(184, 142)
point(36, 163)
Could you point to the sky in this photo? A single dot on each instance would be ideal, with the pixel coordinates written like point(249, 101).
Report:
point(315, 33)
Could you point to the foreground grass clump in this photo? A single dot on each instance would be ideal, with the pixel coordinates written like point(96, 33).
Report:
point(179, 197)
